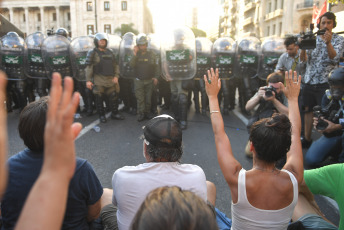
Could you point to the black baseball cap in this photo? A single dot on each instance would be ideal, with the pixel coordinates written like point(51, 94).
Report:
point(163, 131)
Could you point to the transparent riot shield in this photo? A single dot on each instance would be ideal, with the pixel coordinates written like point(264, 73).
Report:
point(79, 48)
point(33, 61)
point(55, 53)
point(224, 57)
point(12, 57)
point(178, 54)
point(203, 54)
point(126, 52)
point(272, 49)
point(114, 44)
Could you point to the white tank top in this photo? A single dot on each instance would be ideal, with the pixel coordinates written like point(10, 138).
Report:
point(245, 216)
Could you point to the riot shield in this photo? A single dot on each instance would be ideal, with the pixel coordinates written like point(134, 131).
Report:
point(12, 56)
point(33, 61)
point(272, 49)
point(203, 54)
point(79, 48)
point(126, 52)
point(178, 54)
point(113, 44)
point(55, 53)
point(224, 56)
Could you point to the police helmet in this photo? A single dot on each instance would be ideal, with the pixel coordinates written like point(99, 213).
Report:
point(62, 31)
point(142, 39)
point(100, 36)
point(336, 76)
point(224, 45)
point(12, 34)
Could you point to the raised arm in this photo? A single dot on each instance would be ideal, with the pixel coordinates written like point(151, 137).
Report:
point(46, 203)
point(294, 162)
point(230, 167)
point(3, 134)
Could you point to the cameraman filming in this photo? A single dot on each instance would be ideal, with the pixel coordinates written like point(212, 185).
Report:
point(329, 121)
point(320, 62)
point(270, 99)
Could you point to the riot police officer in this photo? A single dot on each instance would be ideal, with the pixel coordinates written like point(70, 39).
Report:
point(12, 53)
point(102, 77)
point(145, 65)
point(62, 32)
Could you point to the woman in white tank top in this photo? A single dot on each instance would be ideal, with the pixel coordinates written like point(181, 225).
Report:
point(263, 197)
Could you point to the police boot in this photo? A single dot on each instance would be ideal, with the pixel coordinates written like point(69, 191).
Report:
point(175, 106)
point(100, 108)
point(183, 110)
point(113, 102)
point(88, 102)
point(204, 103)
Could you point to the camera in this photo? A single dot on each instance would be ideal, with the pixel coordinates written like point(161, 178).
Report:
point(318, 113)
point(309, 39)
point(269, 90)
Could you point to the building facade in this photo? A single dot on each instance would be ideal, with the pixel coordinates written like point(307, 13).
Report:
point(79, 17)
point(265, 18)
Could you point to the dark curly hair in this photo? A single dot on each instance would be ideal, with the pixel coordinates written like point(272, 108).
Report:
point(271, 137)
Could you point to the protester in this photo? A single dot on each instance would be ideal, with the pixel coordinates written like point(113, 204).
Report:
point(263, 197)
point(183, 209)
point(3, 135)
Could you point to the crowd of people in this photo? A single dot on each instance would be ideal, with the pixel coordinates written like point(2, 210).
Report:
point(46, 186)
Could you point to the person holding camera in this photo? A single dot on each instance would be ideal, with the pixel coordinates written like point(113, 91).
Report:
point(329, 120)
point(320, 62)
point(269, 99)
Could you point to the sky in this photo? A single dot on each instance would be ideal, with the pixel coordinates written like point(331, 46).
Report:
point(171, 13)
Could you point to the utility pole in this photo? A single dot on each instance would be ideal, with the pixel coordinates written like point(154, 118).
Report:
point(95, 15)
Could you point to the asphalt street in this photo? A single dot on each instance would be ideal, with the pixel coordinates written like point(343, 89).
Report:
point(119, 143)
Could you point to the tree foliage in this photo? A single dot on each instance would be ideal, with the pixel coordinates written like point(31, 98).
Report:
point(198, 32)
point(125, 28)
point(335, 1)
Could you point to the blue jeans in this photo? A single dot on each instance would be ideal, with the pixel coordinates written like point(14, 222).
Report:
point(322, 148)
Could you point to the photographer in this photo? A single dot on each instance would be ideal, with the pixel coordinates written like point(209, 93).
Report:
point(320, 62)
point(270, 99)
point(329, 121)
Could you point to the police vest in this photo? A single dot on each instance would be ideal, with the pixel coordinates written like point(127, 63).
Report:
point(105, 66)
point(145, 66)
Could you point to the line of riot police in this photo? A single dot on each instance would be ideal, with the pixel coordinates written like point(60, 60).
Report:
point(242, 64)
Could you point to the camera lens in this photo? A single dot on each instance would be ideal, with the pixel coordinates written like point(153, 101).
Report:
point(322, 125)
point(268, 93)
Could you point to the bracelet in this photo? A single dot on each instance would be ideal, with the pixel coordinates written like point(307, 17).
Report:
point(214, 111)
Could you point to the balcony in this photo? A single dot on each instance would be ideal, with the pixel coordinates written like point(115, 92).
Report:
point(248, 21)
point(250, 6)
point(307, 4)
point(274, 14)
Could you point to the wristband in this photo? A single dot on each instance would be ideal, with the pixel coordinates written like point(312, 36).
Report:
point(214, 111)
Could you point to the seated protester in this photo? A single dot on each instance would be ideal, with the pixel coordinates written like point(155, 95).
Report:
point(308, 214)
point(269, 99)
point(328, 181)
point(85, 190)
point(162, 148)
point(184, 209)
point(263, 197)
point(330, 124)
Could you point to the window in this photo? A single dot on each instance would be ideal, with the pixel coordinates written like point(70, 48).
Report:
point(89, 6)
point(68, 16)
point(39, 17)
point(280, 29)
point(24, 18)
point(106, 6)
point(276, 7)
point(124, 5)
point(282, 3)
point(107, 28)
point(54, 16)
point(269, 7)
point(274, 29)
point(268, 31)
point(90, 29)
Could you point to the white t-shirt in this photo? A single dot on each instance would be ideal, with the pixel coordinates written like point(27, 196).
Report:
point(131, 185)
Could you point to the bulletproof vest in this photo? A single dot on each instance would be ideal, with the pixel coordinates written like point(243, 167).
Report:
point(105, 66)
point(145, 66)
point(224, 63)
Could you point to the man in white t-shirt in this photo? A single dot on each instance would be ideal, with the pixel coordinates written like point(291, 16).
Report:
point(162, 148)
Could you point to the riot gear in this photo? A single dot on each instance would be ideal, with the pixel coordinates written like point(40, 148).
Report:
point(336, 76)
point(62, 31)
point(12, 34)
point(100, 36)
point(141, 39)
point(247, 52)
point(126, 53)
point(113, 44)
point(55, 53)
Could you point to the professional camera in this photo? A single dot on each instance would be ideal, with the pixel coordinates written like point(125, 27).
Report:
point(309, 39)
point(331, 112)
point(269, 90)
point(319, 113)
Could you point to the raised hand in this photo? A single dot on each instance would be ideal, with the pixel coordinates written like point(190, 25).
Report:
point(3, 134)
point(213, 83)
point(292, 88)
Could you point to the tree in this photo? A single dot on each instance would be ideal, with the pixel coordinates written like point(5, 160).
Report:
point(125, 28)
point(335, 1)
point(198, 32)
